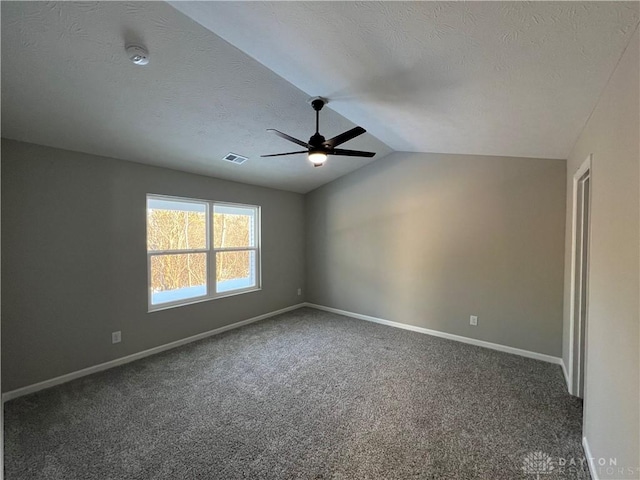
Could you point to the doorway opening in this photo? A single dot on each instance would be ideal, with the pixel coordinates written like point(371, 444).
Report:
point(580, 278)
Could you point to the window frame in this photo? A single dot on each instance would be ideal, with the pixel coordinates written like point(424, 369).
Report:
point(210, 252)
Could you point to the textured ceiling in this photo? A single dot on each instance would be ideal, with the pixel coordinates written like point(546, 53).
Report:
point(67, 83)
point(494, 78)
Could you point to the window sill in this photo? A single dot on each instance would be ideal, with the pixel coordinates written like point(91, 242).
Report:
point(193, 301)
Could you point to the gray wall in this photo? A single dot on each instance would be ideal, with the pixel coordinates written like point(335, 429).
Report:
point(74, 265)
point(428, 240)
point(612, 403)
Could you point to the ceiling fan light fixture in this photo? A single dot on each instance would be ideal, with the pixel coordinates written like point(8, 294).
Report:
point(317, 158)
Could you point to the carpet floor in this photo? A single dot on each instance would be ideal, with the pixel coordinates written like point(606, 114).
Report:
point(306, 394)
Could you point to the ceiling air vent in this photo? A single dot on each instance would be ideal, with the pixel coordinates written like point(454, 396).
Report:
point(235, 158)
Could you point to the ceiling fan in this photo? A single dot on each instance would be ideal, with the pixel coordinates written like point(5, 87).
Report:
point(317, 147)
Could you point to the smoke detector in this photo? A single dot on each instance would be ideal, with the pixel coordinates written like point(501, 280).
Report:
point(137, 54)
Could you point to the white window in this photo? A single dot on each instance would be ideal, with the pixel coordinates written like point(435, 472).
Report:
point(192, 242)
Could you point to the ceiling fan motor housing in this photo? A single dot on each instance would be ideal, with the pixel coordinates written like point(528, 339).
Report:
point(316, 141)
point(317, 103)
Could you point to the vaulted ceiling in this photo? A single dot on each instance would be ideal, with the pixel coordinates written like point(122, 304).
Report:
point(493, 78)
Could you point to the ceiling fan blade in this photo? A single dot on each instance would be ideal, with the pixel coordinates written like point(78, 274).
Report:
point(288, 153)
point(344, 137)
point(350, 153)
point(288, 137)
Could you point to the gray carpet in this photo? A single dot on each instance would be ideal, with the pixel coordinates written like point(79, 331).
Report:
point(307, 394)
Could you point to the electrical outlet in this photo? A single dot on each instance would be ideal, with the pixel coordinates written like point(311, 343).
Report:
point(299, 291)
point(116, 337)
point(473, 320)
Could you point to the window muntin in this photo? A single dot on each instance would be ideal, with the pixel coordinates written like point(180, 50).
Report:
point(182, 259)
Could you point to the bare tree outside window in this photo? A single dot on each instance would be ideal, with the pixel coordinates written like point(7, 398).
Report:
point(231, 231)
point(181, 254)
point(176, 230)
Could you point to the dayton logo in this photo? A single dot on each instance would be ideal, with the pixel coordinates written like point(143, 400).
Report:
point(537, 463)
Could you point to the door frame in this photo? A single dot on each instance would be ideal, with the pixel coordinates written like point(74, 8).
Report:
point(584, 168)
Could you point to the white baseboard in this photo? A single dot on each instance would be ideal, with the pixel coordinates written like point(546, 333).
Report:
point(136, 356)
point(449, 336)
point(587, 453)
point(161, 348)
point(566, 375)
